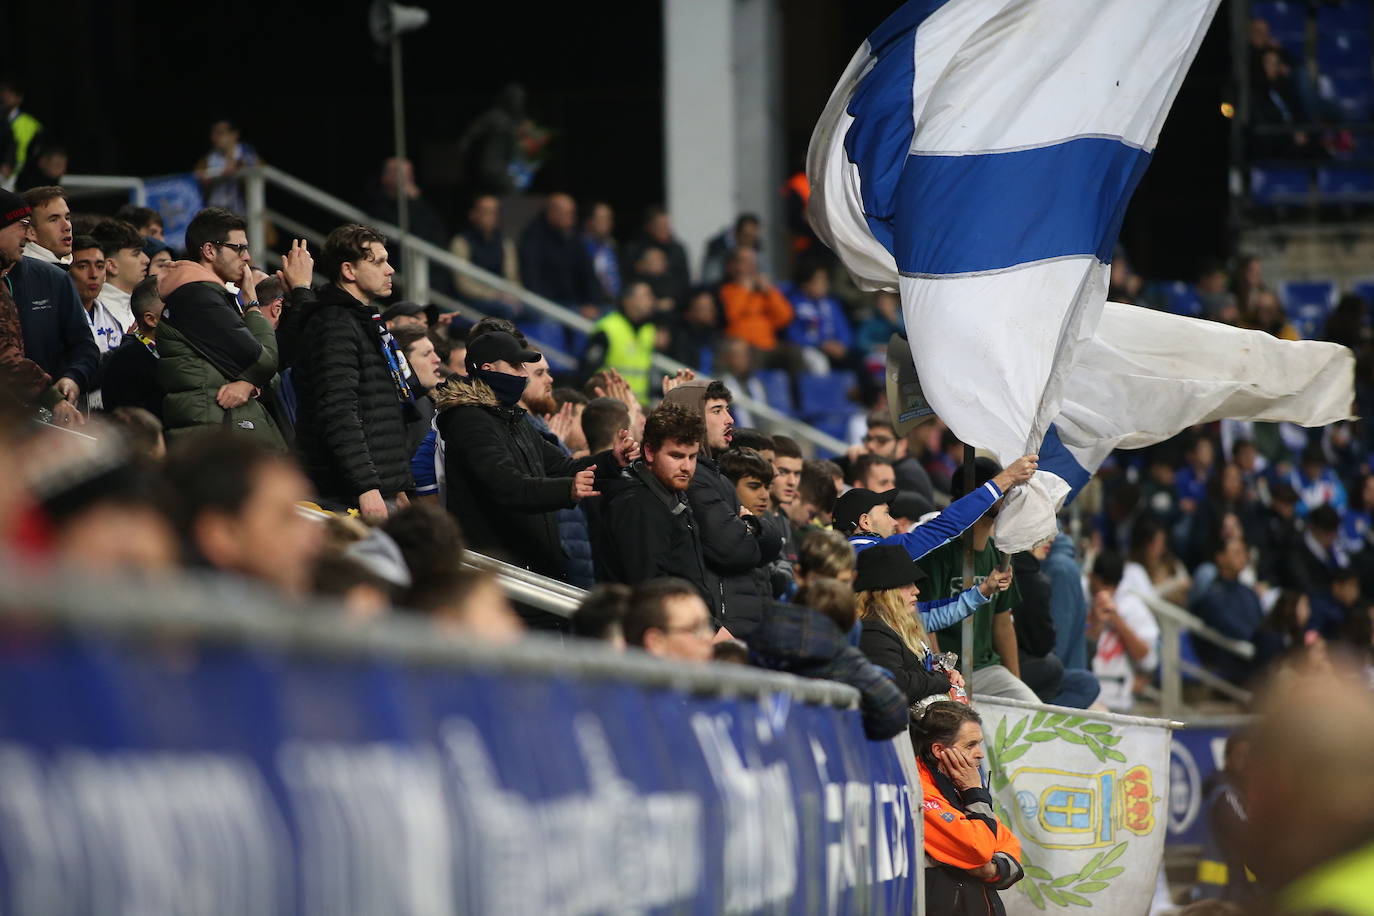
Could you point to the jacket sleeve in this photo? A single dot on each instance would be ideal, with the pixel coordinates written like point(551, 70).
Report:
point(214, 328)
point(936, 615)
point(884, 649)
point(261, 372)
point(779, 309)
point(728, 544)
point(481, 452)
point(80, 356)
point(950, 523)
point(970, 838)
point(881, 703)
point(640, 539)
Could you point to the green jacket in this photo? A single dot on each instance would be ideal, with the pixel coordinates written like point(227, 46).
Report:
point(203, 343)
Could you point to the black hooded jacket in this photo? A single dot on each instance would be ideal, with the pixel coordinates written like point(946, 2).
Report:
point(351, 421)
point(503, 481)
point(644, 532)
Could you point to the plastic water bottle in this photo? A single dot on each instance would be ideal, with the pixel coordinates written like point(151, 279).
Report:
point(947, 662)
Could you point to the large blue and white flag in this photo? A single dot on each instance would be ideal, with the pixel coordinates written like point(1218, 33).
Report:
point(979, 156)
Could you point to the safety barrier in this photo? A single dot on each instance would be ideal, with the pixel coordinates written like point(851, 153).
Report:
point(192, 746)
point(1174, 621)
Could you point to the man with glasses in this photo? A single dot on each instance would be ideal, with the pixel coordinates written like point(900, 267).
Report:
point(216, 355)
point(47, 354)
point(882, 441)
point(667, 618)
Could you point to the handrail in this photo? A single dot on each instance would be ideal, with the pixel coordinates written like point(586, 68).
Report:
point(109, 183)
point(418, 254)
point(216, 608)
point(1173, 620)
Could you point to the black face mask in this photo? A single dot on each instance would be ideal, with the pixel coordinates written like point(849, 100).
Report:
point(509, 389)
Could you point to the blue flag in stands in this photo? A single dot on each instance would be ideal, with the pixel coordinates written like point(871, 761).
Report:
point(979, 155)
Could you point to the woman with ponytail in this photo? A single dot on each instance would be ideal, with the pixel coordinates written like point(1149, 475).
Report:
point(970, 855)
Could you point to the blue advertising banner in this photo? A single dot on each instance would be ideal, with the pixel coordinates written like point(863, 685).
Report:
point(171, 776)
point(1194, 756)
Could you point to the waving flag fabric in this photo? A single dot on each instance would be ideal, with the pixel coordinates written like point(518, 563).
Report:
point(979, 156)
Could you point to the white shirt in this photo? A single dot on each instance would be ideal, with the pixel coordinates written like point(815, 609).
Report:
point(117, 301)
point(1112, 664)
point(104, 327)
point(39, 253)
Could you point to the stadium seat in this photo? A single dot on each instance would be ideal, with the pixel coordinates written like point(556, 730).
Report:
point(1181, 299)
point(1343, 54)
point(1348, 17)
point(1287, 23)
point(778, 388)
point(821, 394)
point(1351, 93)
point(1279, 184)
point(1307, 304)
point(1365, 290)
point(1345, 183)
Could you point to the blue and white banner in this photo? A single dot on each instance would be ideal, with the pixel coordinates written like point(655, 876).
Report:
point(979, 156)
point(172, 777)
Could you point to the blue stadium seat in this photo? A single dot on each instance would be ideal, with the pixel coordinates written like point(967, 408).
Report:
point(1279, 184)
point(778, 388)
point(1349, 16)
point(1343, 54)
point(1287, 23)
point(1352, 93)
point(1345, 183)
point(824, 393)
point(1181, 299)
point(1365, 290)
point(1308, 303)
point(833, 422)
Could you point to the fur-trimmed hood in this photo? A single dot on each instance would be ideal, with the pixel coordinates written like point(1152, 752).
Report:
point(462, 391)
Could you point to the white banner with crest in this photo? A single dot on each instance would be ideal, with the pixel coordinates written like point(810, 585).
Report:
point(1085, 793)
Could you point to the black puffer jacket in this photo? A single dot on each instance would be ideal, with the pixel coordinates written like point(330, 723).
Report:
point(645, 532)
point(738, 550)
point(350, 421)
point(505, 483)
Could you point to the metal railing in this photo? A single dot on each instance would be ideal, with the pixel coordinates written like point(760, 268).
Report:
point(1173, 622)
point(417, 257)
point(99, 183)
point(214, 608)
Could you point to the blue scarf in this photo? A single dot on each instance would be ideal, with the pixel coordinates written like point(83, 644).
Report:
point(395, 361)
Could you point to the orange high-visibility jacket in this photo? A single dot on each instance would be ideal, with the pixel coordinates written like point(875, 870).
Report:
point(967, 835)
point(755, 316)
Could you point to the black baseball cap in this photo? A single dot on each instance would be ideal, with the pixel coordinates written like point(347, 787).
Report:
point(498, 345)
point(403, 307)
point(855, 503)
point(885, 566)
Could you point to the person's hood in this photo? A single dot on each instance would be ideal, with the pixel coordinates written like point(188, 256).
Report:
point(181, 273)
point(793, 634)
point(39, 253)
point(462, 391)
point(691, 395)
point(382, 557)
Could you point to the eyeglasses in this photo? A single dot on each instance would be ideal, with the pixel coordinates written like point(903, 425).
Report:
point(234, 247)
point(702, 628)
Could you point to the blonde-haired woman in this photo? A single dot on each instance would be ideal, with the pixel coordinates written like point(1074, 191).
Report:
point(888, 584)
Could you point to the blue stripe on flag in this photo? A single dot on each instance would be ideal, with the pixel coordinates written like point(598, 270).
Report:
point(992, 211)
point(1056, 458)
point(880, 137)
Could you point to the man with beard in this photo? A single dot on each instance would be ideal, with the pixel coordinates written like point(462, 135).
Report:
point(996, 664)
point(648, 529)
point(734, 543)
point(503, 481)
point(46, 352)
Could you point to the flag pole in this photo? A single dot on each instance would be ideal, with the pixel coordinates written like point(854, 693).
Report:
point(966, 626)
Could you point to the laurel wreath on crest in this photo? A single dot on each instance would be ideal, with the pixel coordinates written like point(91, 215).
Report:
point(1039, 885)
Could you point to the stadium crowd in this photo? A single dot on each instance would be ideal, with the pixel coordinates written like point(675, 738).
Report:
point(409, 429)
